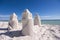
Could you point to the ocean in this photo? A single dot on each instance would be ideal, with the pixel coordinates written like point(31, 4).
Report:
point(53, 22)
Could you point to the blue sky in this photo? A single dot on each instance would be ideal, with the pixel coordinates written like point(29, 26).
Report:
point(47, 9)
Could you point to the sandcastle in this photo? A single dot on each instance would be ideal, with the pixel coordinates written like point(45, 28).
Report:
point(30, 26)
point(28, 23)
point(13, 22)
point(37, 20)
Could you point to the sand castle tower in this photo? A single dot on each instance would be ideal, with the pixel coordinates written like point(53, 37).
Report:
point(13, 22)
point(27, 23)
point(37, 20)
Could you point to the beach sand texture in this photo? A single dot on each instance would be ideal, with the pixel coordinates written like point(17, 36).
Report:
point(47, 32)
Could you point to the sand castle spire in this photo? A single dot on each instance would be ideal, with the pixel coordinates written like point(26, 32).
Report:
point(27, 22)
point(13, 16)
point(27, 11)
point(13, 22)
point(27, 14)
point(37, 20)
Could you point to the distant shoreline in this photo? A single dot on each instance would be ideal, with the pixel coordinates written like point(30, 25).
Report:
point(50, 22)
point(41, 20)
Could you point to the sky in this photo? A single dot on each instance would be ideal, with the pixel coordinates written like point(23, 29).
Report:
point(47, 9)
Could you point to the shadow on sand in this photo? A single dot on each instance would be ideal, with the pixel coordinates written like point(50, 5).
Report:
point(3, 28)
point(11, 33)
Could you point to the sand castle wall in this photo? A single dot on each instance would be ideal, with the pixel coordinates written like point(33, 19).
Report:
point(37, 20)
point(30, 26)
point(27, 22)
point(13, 22)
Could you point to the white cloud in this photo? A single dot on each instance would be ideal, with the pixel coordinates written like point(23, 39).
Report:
point(50, 17)
point(4, 15)
point(45, 16)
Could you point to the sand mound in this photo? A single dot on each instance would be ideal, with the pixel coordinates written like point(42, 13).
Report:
point(47, 32)
point(50, 32)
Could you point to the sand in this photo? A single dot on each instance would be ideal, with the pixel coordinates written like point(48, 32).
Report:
point(47, 32)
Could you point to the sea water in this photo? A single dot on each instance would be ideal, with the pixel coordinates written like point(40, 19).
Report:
point(54, 22)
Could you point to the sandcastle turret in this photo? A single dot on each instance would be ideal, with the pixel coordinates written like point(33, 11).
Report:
point(37, 20)
point(13, 22)
point(27, 23)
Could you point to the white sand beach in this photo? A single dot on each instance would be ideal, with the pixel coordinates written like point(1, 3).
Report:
point(47, 32)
